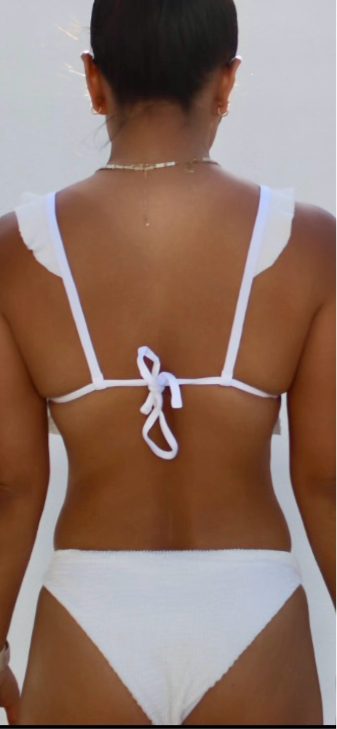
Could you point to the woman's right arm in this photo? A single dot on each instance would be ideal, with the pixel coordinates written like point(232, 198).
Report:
point(311, 405)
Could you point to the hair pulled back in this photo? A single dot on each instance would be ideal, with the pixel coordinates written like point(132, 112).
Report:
point(150, 50)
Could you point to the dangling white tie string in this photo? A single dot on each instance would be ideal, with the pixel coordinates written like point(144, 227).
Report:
point(153, 406)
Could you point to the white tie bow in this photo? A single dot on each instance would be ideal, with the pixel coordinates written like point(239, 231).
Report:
point(153, 406)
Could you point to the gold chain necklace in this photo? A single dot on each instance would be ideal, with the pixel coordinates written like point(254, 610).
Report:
point(188, 168)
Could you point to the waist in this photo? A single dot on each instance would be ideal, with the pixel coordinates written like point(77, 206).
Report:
point(177, 513)
point(141, 526)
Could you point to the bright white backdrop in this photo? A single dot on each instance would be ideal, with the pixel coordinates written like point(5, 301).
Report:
point(280, 132)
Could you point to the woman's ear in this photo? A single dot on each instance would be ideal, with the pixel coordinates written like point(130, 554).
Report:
point(94, 82)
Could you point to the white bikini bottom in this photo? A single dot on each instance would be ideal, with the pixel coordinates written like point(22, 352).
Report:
point(171, 623)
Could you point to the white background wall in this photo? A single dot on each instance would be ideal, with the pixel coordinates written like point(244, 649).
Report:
point(280, 132)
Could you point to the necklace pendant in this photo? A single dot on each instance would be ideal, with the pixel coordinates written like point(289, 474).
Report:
point(189, 168)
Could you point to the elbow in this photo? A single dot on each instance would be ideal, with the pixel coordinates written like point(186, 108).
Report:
point(314, 488)
point(31, 494)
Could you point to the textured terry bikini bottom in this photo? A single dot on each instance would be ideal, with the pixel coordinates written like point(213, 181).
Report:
point(171, 623)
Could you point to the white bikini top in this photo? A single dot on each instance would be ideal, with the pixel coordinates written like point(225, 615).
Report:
point(39, 230)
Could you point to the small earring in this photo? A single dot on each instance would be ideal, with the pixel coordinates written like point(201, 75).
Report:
point(226, 112)
point(93, 111)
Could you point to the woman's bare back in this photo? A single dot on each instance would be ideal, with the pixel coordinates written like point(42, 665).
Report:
point(172, 287)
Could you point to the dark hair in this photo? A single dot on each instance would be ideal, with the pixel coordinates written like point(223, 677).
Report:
point(162, 49)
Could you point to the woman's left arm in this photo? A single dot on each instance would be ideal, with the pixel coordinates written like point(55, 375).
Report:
point(24, 471)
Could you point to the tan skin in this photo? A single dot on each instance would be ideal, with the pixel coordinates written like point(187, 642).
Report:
point(172, 287)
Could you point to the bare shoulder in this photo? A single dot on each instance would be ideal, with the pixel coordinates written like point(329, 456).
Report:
point(312, 245)
point(8, 224)
point(318, 225)
point(9, 236)
point(314, 237)
point(13, 253)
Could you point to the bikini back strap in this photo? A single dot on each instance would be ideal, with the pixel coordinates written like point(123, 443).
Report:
point(247, 281)
point(71, 291)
